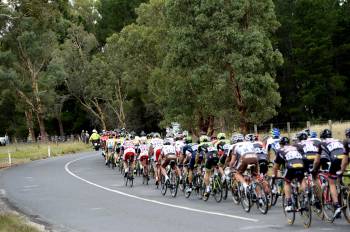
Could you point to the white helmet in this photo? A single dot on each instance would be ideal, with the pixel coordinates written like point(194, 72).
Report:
point(143, 139)
point(94, 131)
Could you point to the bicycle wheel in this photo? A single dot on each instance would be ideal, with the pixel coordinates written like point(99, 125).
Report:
point(274, 194)
point(163, 185)
point(224, 190)
point(235, 192)
point(262, 201)
point(327, 205)
point(182, 184)
point(316, 204)
point(205, 196)
point(217, 189)
point(246, 201)
point(174, 183)
point(198, 186)
point(290, 215)
point(305, 208)
point(345, 202)
point(187, 185)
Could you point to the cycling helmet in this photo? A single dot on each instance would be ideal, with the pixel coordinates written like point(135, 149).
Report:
point(275, 133)
point(326, 133)
point(167, 142)
point(156, 135)
point(347, 133)
point(221, 136)
point(307, 131)
point(237, 138)
point(284, 141)
point(302, 136)
point(94, 131)
point(188, 139)
point(143, 139)
point(131, 136)
point(204, 139)
point(313, 134)
point(249, 137)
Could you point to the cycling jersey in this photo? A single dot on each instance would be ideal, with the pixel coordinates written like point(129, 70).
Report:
point(168, 150)
point(308, 148)
point(260, 150)
point(94, 137)
point(245, 155)
point(293, 160)
point(332, 149)
point(179, 144)
point(346, 144)
point(291, 157)
point(212, 157)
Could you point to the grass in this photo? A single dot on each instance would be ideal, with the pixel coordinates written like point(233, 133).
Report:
point(11, 222)
point(21, 153)
point(338, 129)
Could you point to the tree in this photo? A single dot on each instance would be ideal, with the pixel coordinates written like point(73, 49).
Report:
point(226, 44)
point(115, 14)
point(30, 41)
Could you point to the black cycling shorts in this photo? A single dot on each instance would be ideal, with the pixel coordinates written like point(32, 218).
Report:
point(294, 173)
point(211, 160)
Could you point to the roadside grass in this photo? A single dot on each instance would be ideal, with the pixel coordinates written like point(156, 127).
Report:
point(21, 153)
point(11, 222)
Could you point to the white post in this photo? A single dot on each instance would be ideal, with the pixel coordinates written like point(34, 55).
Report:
point(10, 161)
point(49, 151)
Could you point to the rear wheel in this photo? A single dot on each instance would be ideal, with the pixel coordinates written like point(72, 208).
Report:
point(290, 215)
point(217, 189)
point(305, 209)
point(235, 192)
point(225, 190)
point(246, 201)
point(163, 185)
point(262, 201)
point(174, 183)
point(345, 198)
point(327, 205)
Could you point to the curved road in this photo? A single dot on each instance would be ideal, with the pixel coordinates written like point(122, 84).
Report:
point(78, 193)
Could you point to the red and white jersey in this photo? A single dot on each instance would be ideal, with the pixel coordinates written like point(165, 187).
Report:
point(157, 143)
point(179, 144)
point(143, 149)
point(128, 144)
point(168, 149)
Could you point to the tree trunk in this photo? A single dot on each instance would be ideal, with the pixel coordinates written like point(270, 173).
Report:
point(101, 114)
point(42, 128)
point(206, 124)
point(30, 125)
point(60, 125)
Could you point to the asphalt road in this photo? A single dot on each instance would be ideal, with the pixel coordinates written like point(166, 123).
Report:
point(79, 193)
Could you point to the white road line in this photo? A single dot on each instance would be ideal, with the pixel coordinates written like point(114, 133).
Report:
point(66, 167)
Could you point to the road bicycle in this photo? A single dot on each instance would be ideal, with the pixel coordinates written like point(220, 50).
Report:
point(215, 187)
point(301, 203)
point(173, 182)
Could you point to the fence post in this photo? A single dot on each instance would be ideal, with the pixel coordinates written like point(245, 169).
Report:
point(271, 126)
point(288, 129)
point(9, 153)
point(308, 125)
point(255, 129)
point(330, 124)
point(49, 151)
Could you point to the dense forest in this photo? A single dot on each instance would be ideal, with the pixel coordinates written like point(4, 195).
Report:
point(209, 65)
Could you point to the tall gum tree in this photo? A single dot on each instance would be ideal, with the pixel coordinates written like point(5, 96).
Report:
point(230, 40)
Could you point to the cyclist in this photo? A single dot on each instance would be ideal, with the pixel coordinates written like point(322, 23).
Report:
point(189, 152)
point(144, 154)
point(110, 144)
point(260, 151)
point(272, 143)
point(223, 146)
point(95, 137)
point(104, 138)
point(155, 150)
point(309, 149)
point(168, 154)
point(293, 161)
point(129, 153)
point(211, 160)
point(242, 156)
point(332, 151)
